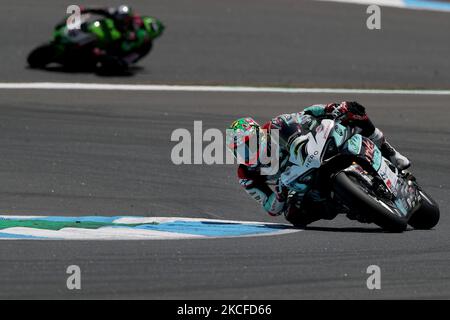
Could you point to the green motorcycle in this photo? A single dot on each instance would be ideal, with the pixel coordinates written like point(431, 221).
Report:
point(97, 45)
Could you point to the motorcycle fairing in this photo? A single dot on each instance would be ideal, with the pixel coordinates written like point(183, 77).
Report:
point(406, 196)
point(365, 149)
point(153, 26)
point(306, 154)
point(339, 133)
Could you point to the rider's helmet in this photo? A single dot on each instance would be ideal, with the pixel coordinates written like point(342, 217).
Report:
point(247, 142)
point(124, 17)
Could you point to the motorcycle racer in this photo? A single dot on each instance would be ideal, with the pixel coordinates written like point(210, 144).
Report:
point(107, 41)
point(313, 206)
point(126, 32)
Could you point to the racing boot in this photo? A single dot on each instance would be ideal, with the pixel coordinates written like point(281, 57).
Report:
point(388, 151)
point(399, 160)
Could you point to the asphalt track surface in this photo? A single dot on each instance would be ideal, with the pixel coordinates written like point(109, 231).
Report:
point(108, 153)
point(84, 153)
point(290, 42)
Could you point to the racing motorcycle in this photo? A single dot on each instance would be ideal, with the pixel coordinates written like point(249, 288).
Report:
point(350, 171)
point(94, 45)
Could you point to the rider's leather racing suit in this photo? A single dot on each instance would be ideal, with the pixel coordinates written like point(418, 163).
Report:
point(312, 206)
point(128, 40)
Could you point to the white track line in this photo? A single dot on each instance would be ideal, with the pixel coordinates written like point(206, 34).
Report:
point(432, 5)
point(388, 3)
point(200, 88)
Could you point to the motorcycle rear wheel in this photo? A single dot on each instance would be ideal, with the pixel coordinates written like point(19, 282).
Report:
point(354, 196)
point(42, 56)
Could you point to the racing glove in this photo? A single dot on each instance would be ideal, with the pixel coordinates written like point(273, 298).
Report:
point(352, 110)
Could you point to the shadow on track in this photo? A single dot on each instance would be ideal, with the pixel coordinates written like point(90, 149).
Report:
point(130, 72)
point(346, 229)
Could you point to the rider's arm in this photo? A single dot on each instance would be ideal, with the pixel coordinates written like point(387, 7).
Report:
point(316, 110)
point(350, 109)
point(331, 109)
point(354, 114)
point(350, 112)
point(256, 186)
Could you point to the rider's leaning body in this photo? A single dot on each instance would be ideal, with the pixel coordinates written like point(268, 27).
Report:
point(126, 31)
point(257, 185)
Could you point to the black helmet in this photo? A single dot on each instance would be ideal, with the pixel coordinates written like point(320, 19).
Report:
point(124, 10)
point(124, 15)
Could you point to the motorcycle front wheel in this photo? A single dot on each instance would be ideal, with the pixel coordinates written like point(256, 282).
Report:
point(356, 196)
point(427, 216)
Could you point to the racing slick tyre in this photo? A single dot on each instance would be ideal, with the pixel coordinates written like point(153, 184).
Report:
point(41, 56)
point(353, 194)
point(427, 216)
